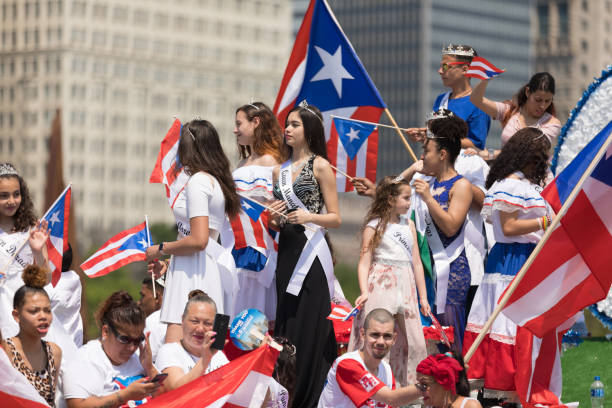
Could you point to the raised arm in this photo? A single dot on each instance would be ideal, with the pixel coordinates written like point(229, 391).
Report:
point(478, 99)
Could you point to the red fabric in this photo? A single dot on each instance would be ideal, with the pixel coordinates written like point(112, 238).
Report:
point(431, 333)
point(493, 361)
point(13, 401)
point(356, 382)
point(444, 369)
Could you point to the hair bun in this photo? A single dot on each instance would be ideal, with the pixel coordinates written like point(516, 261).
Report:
point(196, 292)
point(35, 276)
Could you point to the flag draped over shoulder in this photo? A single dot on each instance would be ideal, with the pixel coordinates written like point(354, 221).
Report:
point(241, 383)
point(324, 70)
point(572, 269)
point(126, 247)
point(58, 216)
point(167, 168)
point(15, 390)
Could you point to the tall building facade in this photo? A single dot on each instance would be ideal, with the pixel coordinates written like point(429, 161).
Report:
point(120, 72)
point(573, 41)
point(400, 42)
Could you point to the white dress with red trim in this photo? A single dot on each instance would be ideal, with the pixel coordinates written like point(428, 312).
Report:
point(494, 360)
point(350, 385)
point(253, 246)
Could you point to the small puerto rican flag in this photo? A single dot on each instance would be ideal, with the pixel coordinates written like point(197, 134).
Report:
point(126, 247)
point(482, 69)
point(57, 216)
point(252, 208)
point(343, 313)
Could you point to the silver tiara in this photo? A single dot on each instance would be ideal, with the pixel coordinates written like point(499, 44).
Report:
point(432, 135)
point(304, 105)
point(439, 114)
point(397, 179)
point(7, 170)
point(190, 134)
point(252, 103)
point(458, 50)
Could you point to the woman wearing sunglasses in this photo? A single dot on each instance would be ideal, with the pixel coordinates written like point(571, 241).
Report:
point(443, 383)
point(108, 372)
point(454, 63)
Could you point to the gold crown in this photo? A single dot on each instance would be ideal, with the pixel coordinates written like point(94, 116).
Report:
point(462, 50)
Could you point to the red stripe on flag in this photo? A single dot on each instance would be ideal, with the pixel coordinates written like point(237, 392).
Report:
point(332, 145)
point(258, 232)
point(551, 194)
point(372, 156)
point(239, 237)
point(351, 170)
point(111, 241)
point(13, 401)
point(590, 236)
point(171, 138)
point(118, 264)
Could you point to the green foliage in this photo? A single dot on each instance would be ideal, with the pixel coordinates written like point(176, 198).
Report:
point(580, 364)
point(347, 276)
point(161, 232)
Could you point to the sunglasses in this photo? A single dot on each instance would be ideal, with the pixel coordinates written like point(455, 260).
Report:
point(448, 65)
point(422, 386)
point(123, 339)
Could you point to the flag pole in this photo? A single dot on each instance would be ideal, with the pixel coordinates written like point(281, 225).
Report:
point(367, 123)
point(341, 172)
point(149, 242)
point(399, 132)
point(519, 276)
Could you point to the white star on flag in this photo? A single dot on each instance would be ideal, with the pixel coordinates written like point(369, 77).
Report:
point(143, 243)
point(332, 69)
point(353, 134)
point(246, 206)
point(54, 218)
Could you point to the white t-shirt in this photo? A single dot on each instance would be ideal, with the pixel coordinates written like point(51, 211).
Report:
point(158, 332)
point(66, 304)
point(350, 384)
point(174, 355)
point(92, 373)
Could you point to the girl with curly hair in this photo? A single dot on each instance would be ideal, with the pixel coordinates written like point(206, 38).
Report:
point(519, 215)
point(18, 226)
point(391, 274)
point(260, 142)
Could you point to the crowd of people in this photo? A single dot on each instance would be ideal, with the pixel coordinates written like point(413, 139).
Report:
point(470, 204)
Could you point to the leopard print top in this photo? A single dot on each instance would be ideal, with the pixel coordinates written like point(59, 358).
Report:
point(306, 188)
point(45, 380)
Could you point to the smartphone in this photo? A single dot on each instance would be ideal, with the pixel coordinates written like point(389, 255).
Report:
point(220, 327)
point(158, 378)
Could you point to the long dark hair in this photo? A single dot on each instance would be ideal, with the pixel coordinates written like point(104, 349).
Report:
point(448, 132)
point(526, 151)
point(387, 188)
point(314, 133)
point(24, 218)
point(462, 386)
point(268, 134)
point(120, 310)
point(542, 81)
point(284, 369)
point(200, 150)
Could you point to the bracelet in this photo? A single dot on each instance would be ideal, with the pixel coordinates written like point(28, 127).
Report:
point(161, 248)
point(544, 223)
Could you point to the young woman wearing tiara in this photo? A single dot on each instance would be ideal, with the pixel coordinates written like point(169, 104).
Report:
point(519, 215)
point(304, 273)
point(442, 203)
point(17, 226)
point(390, 276)
point(260, 144)
point(198, 261)
point(38, 360)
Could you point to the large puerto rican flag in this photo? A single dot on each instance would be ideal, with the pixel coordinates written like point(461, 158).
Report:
point(57, 216)
point(572, 270)
point(241, 383)
point(167, 169)
point(126, 247)
point(324, 70)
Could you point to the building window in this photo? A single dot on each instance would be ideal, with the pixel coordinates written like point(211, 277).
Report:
point(585, 45)
point(100, 11)
point(562, 9)
point(98, 38)
point(585, 5)
point(120, 14)
point(543, 20)
point(141, 17)
point(161, 20)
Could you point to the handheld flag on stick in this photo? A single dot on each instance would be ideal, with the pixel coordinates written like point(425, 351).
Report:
point(482, 69)
point(57, 216)
point(324, 70)
point(126, 247)
point(167, 168)
point(343, 313)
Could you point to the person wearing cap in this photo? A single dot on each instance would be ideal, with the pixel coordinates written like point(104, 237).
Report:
point(443, 383)
point(151, 305)
point(362, 378)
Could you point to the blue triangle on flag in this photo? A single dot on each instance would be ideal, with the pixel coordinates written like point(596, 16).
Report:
point(352, 134)
point(55, 218)
point(137, 241)
point(251, 208)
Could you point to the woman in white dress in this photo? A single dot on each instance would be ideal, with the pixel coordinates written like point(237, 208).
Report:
point(198, 261)
point(17, 226)
point(260, 144)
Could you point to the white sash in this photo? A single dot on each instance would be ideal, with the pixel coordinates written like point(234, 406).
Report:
point(442, 256)
point(315, 244)
point(227, 270)
point(444, 101)
point(398, 235)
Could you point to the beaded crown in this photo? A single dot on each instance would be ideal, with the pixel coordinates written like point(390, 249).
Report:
point(462, 50)
point(7, 170)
